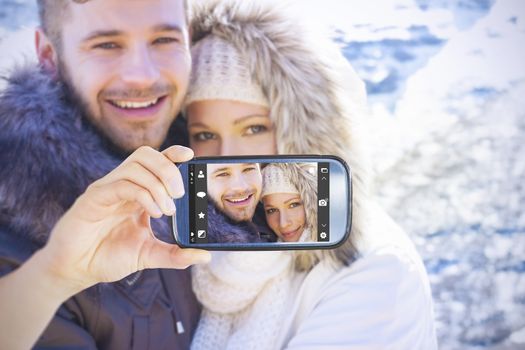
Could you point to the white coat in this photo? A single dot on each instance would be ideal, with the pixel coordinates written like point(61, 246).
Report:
point(382, 298)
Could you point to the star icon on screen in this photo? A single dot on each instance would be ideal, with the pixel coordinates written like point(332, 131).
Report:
point(201, 215)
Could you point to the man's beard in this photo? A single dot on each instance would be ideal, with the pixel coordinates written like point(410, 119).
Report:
point(246, 215)
point(119, 141)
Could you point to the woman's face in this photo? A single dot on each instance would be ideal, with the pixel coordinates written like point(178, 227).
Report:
point(222, 127)
point(285, 215)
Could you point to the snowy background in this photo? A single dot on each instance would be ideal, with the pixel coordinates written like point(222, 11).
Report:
point(446, 84)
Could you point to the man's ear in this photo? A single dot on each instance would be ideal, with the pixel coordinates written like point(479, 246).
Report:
point(45, 51)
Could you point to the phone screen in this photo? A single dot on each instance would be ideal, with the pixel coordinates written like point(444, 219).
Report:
point(259, 202)
point(278, 202)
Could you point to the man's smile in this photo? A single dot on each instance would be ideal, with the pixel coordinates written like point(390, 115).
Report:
point(138, 109)
point(133, 104)
point(239, 200)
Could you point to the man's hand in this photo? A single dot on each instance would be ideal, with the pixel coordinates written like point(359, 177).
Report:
point(106, 234)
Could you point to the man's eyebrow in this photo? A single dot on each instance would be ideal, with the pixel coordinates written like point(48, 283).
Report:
point(226, 168)
point(246, 117)
point(111, 33)
point(168, 28)
point(102, 34)
point(221, 169)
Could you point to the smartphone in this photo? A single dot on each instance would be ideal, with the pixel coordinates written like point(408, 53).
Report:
point(264, 203)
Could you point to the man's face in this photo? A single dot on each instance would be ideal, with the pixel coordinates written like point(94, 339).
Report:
point(235, 188)
point(128, 65)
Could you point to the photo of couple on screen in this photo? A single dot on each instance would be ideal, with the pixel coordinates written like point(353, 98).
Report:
point(262, 202)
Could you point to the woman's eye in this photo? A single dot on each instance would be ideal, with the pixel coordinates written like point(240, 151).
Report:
point(203, 136)
point(222, 174)
point(106, 46)
point(246, 170)
point(255, 129)
point(295, 204)
point(271, 210)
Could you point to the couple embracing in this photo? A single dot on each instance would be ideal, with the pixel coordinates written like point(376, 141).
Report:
point(250, 204)
point(87, 173)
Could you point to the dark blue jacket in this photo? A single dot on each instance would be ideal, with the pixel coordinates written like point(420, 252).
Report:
point(49, 154)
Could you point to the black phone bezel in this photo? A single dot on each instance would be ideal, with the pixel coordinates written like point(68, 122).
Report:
point(182, 205)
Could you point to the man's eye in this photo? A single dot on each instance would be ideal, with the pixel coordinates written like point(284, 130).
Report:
point(166, 40)
point(203, 136)
point(222, 174)
point(248, 169)
point(255, 129)
point(106, 46)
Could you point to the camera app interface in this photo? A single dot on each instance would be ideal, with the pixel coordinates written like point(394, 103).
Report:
point(259, 202)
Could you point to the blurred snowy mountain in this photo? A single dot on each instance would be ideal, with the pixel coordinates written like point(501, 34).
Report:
point(446, 84)
point(17, 13)
point(446, 81)
point(459, 133)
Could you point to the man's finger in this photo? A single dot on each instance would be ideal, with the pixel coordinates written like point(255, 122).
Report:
point(98, 198)
point(162, 165)
point(138, 174)
point(178, 154)
point(164, 255)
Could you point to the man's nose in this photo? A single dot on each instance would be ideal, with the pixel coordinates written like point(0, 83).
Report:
point(238, 182)
point(139, 69)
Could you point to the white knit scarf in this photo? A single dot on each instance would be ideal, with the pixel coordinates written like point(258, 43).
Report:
point(244, 296)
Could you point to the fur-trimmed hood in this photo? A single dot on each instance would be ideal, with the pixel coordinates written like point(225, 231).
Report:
point(315, 96)
point(49, 154)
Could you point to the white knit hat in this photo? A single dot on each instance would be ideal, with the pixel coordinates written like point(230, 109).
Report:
point(276, 181)
point(220, 72)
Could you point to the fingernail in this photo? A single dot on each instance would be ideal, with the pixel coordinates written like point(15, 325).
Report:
point(170, 205)
point(177, 188)
point(188, 152)
point(156, 210)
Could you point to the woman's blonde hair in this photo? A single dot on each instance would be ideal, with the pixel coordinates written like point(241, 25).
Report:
point(303, 176)
point(317, 100)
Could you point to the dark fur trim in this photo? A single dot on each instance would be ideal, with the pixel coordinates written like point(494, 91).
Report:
point(49, 154)
point(221, 229)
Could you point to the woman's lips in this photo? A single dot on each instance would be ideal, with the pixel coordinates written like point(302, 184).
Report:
point(290, 234)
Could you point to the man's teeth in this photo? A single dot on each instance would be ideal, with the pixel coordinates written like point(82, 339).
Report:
point(130, 104)
point(237, 200)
